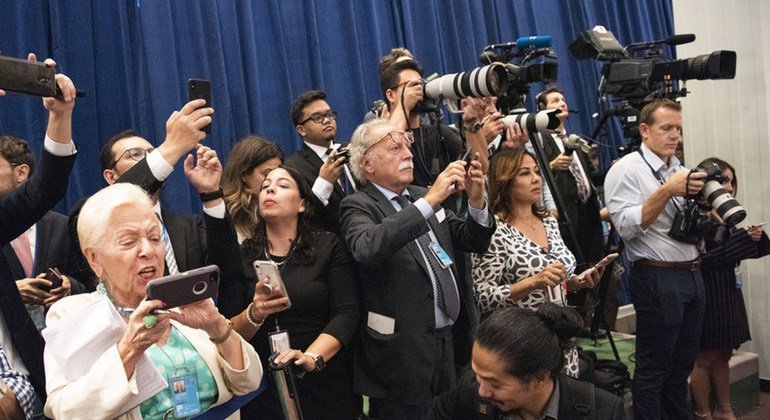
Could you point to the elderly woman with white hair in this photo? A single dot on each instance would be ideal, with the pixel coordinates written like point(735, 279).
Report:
point(122, 241)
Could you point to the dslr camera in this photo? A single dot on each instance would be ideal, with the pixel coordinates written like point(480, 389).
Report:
point(691, 223)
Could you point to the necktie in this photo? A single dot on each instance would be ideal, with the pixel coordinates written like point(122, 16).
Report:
point(448, 297)
point(23, 252)
point(584, 190)
point(168, 250)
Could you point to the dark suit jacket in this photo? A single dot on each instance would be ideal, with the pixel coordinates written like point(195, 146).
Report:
point(307, 163)
point(584, 217)
point(396, 284)
point(577, 400)
point(187, 232)
point(188, 239)
point(52, 249)
point(19, 210)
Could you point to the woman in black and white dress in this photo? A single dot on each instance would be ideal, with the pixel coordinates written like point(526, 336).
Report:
point(725, 322)
point(527, 262)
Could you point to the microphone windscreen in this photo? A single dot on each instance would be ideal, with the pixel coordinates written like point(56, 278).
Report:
point(680, 39)
point(539, 41)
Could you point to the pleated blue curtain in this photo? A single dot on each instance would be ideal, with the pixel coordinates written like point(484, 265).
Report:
point(133, 58)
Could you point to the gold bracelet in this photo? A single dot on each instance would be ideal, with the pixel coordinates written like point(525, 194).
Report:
point(256, 323)
point(225, 336)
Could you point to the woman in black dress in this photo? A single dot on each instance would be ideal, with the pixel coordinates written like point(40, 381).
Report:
point(725, 323)
point(320, 281)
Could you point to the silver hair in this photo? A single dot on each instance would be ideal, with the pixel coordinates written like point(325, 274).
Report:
point(360, 144)
point(94, 218)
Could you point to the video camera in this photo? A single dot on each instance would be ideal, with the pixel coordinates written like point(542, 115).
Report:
point(516, 56)
point(635, 81)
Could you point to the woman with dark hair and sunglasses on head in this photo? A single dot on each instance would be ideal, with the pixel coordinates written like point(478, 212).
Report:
point(527, 262)
point(517, 363)
point(319, 280)
point(725, 322)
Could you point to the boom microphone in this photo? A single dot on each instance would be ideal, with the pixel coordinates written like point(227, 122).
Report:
point(680, 39)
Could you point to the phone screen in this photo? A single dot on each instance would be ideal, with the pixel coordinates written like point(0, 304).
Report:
point(200, 89)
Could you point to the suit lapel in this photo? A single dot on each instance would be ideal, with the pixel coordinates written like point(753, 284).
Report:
point(316, 162)
point(41, 244)
point(387, 209)
point(14, 266)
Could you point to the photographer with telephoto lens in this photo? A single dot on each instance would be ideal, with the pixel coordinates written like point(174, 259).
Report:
point(644, 191)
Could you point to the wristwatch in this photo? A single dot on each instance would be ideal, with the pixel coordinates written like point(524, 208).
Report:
point(475, 127)
point(319, 361)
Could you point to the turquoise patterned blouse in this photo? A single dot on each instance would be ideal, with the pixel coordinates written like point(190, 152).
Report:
point(177, 353)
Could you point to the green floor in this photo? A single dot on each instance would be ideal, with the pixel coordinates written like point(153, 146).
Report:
point(626, 347)
point(743, 393)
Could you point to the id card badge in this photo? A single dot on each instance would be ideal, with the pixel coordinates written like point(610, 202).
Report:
point(184, 392)
point(440, 254)
point(738, 278)
point(279, 341)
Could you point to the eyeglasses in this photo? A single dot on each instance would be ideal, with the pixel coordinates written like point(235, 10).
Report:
point(9, 164)
point(319, 117)
point(398, 138)
point(135, 153)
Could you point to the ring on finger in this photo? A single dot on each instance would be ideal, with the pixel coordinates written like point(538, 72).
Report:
point(150, 321)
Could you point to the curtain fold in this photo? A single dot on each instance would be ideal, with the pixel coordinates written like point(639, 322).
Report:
point(133, 59)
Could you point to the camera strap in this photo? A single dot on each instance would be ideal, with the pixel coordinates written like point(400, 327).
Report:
point(659, 177)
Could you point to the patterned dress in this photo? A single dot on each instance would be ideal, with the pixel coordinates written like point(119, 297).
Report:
point(512, 257)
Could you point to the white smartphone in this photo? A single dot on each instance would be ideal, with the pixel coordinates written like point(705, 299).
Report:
point(606, 260)
point(274, 285)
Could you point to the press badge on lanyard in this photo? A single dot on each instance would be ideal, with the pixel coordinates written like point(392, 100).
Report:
point(440, 254)
point(738, 279)
point(184, 392)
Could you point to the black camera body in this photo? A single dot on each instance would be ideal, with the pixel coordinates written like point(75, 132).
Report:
point(713, 173)
point(344, 152)
point(691, 225)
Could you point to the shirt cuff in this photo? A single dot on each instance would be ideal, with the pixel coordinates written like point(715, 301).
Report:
point(59, 149)
point(158, 166)
point(425, 209)
point(480, 216)
point(323, 190)
point(217, 212)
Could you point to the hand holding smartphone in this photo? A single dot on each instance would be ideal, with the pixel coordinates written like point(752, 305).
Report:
point(185, 288)
point(200, 89)
point(54, 276)
point(274, 286)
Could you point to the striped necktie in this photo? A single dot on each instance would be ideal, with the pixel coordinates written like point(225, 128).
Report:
point(168, 250)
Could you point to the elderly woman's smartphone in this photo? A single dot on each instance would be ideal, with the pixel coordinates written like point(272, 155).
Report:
point(200, 89)
point(274, 285)
point(185, 288)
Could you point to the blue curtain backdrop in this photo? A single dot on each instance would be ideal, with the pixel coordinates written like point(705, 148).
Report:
point(133, 58)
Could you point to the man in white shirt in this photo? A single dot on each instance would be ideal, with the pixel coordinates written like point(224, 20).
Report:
point(644, 191)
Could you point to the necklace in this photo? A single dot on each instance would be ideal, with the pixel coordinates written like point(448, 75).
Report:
point(530, 224)
point(267, 255)
point(288, 255)
point(125, 312)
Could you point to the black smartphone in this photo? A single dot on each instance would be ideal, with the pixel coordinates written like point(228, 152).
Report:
point(185, 288)
point(54, 276)
point(200, 89)
point(30, 77)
